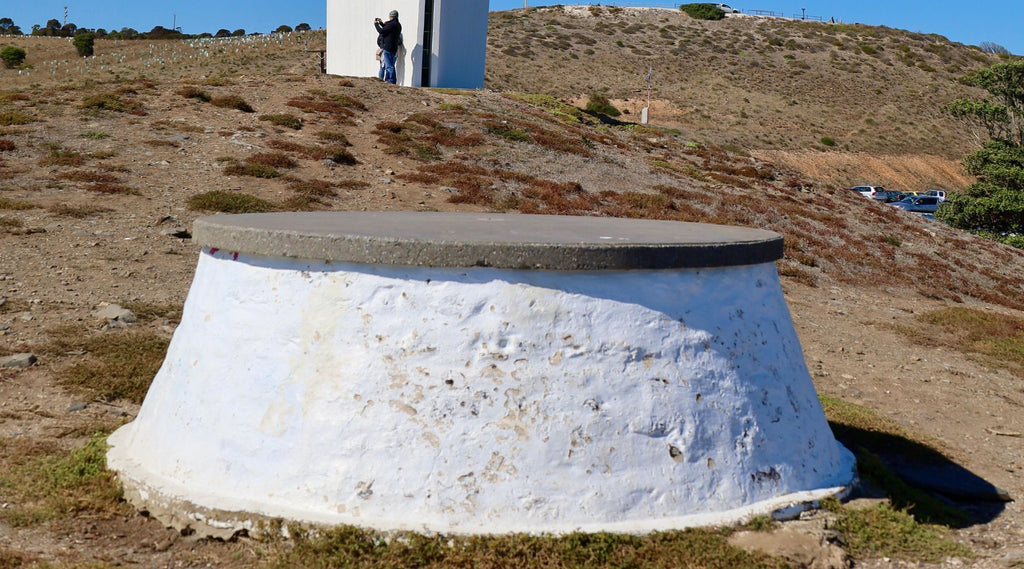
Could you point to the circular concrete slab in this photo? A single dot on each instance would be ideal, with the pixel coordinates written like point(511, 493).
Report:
point(489, 240)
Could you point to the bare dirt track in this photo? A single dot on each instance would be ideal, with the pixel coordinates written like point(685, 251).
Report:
point(94, 209)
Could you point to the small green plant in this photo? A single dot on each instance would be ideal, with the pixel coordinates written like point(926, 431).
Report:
point(85, 44)
point(12, 56)
point(48, 483)
point(828, 141)
point(600, 104)
point(95, 135)
point(232, 102)
point(703, 11)
point(229, 202)
point(285, 120)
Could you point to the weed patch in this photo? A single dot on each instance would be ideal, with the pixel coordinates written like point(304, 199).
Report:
point(357, 548)
point(882, 531)
point(253, 169)
point(116, 364)
point(229, 202)
point(7, 145)
point(113, 102)
point(333, 136)
point(15, 118)
point(313, 188)
point(77, 211)
point(15, 205)
point(49, 483)
point(997, 338)
point(272, 159)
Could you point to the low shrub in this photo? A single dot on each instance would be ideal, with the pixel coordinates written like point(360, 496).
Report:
point(273, 159)
point(14, 118)
point(191, 92)
point(253, 169)
point(112, 102)
point(333, 136)
point(313, 188)
point(340, 155)
point(599, 103)
point(703, 11)
point(232, 102)
point(285, 120)
point(229, 202)
point(7, 145)
point(76, 211)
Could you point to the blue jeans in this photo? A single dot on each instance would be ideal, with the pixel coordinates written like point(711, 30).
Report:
point(387, 70)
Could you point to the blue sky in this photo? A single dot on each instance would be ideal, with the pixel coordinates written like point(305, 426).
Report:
point(998, 21)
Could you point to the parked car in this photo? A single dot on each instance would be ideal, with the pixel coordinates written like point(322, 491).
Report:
point(919, 204)
point(873, 192)
point(727, 8)
point(941, 194)
point(894, 196)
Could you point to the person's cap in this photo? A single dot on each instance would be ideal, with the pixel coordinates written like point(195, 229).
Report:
point(393, 14)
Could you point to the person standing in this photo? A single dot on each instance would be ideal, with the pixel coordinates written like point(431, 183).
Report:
point(389, 34)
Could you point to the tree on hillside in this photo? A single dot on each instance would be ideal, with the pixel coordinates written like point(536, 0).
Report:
point(283, 29)
point(85, 44)
point(303, 27)
point(994, 48)
point(222, 33)
point(51, 29)
point(994, 205)
point(7, 27)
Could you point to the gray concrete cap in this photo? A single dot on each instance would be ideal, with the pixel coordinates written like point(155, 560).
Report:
point(506, 241)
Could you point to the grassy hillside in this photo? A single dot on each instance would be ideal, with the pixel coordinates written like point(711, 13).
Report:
point(746, 82)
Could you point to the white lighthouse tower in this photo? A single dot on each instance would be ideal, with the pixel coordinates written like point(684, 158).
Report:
point(444, 41)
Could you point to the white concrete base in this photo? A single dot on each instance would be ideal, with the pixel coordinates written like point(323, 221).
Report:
point(482, 400)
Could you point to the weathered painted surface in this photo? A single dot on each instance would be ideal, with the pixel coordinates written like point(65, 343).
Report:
point(482, 400)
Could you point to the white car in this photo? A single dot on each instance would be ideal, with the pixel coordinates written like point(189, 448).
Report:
point(941, 194)
point(873, 192)
point(727, 8)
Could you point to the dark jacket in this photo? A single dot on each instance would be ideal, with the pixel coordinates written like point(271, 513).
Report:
point(389, 32)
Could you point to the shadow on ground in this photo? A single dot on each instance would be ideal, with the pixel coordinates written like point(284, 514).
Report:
point(919, 478)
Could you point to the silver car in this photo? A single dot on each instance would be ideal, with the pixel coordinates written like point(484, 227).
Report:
point(919, 204)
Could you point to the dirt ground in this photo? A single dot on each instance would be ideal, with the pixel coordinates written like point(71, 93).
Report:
point(57, 269)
